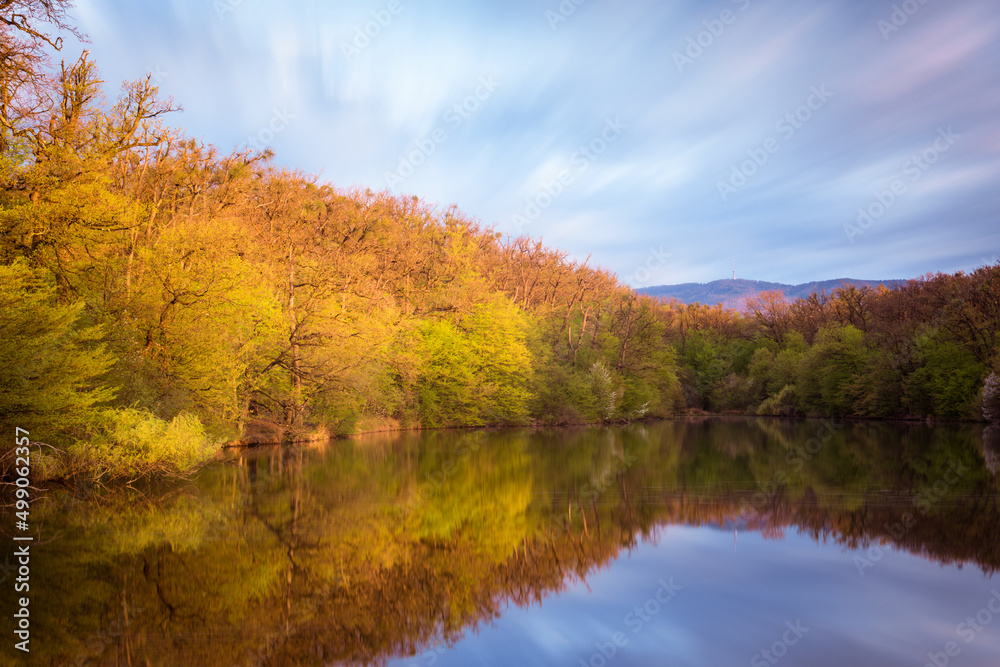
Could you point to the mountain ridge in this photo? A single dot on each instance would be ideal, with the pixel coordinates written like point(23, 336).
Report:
point(733, 293)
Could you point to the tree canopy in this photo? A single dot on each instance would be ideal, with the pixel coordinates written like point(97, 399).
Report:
point(167, 279)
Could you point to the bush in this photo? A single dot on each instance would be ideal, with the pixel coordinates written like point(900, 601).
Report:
point(135, 443)
point(735, 393)
point(781, 404)
point(559, 395)
point(946, 380)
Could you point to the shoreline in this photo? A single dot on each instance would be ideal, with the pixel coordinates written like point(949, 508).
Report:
point(322, 435)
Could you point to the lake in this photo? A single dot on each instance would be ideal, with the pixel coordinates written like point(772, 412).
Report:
point(708, 542)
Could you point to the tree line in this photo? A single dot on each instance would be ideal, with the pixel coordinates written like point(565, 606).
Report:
point(923, 349)
point(159, 297)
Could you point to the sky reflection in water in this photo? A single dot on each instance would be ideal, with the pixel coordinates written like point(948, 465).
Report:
point(452, 548)
point(738, 594)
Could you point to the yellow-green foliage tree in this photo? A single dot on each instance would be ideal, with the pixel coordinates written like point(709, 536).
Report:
point(210, 297)
point(51, 360)
point(476, 370)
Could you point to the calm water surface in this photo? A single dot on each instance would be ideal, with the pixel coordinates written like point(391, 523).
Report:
point(700, 542)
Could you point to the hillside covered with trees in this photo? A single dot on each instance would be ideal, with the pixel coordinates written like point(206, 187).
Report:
point(735, 293)
point(160, 296)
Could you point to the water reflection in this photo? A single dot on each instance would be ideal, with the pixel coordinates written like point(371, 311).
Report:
point(385, 548)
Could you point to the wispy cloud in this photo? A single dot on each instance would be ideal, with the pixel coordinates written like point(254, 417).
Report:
point(657, 185)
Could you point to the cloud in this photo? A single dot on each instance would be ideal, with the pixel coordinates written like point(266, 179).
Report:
point(356, 116)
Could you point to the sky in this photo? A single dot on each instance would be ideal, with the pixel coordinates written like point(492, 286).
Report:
point(665, 141)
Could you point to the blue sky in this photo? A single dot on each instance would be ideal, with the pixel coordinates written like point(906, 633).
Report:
point(665, 140)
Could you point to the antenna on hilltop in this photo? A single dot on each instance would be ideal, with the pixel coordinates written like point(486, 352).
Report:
point(734, 269)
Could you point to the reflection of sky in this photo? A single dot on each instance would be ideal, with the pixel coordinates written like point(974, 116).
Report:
point(656, 186)
point(735, 602)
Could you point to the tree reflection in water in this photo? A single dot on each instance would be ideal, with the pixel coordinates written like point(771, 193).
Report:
point(369, 549)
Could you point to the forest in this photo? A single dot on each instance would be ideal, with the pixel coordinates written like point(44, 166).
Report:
point(161, 297)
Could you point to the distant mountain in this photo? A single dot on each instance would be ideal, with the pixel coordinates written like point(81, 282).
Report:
point(734, 293)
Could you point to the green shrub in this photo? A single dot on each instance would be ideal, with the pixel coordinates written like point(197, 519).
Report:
point(135, 443)
point(946, 382)
point(781, 404)
point(735, 393)
point(561, 395)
